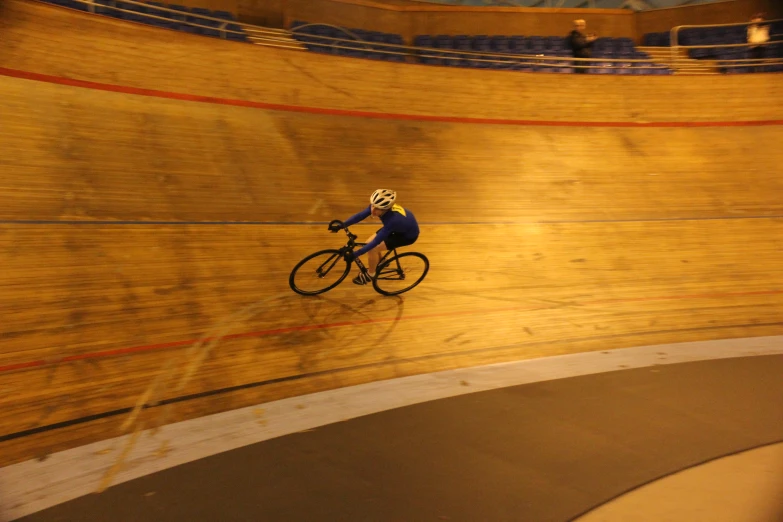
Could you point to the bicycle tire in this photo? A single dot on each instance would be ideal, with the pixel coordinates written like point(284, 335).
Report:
point(386, 265)
point(331, 253)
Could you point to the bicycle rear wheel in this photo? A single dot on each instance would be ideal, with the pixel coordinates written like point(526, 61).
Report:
point(400, 273)
point(319, 272)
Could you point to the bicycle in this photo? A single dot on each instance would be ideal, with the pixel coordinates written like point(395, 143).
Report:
point(390, 269)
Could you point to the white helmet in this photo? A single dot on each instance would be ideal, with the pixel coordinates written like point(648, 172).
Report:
point(383, 198)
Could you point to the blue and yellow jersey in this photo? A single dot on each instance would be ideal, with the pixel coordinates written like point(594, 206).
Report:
point(398, 220)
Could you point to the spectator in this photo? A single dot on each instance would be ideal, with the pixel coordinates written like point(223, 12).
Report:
point(759, 35)
point(580, 44)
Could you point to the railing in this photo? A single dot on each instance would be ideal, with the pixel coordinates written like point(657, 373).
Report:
point(497, 59)
point(271, 37)
point(354, 37)
point(222, 25)
point(681, 64)
point(518, 3)
point(282, 38)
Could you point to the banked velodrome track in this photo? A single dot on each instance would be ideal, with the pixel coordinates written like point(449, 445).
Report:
point(157, 196)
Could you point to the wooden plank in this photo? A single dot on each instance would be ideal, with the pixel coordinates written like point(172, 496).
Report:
point(150, 159)
point(423, 18)
point(723, 12)
point(133, 226)
point(397, 5)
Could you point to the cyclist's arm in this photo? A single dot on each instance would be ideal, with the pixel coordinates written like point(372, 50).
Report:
point(379, 237)
point(364, 214)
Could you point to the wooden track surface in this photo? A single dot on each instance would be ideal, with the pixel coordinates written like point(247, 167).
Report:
point(132, 226)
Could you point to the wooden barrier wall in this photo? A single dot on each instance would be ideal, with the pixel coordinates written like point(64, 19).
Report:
point(232, 6)
point(409, 18)
point(266, 13)
point(437, 19)
point(727, 12)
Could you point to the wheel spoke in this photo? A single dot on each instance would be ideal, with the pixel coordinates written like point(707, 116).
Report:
point(318, 273)
point(400, 273)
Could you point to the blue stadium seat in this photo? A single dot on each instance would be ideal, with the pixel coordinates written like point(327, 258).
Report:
point(499, 43)
point(442, 41)
point(180, 14)
point(554, 43)
point(224, 15)
point(211, 28)
point(132, 13)
point(423, 40)
point(536, 44)
point(152, 9)
point(72, 4)
point(517, 44)
point(102, 8)
point(233, 36)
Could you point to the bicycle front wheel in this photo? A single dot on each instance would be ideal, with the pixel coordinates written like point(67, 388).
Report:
point(400, 273)
point(319, 272)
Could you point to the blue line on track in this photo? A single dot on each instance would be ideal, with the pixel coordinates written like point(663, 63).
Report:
point(320, 223)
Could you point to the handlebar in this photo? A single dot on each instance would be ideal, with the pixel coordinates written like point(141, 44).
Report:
point(350, 235)
point(351, 240)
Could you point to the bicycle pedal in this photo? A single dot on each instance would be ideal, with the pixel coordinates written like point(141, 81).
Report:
point(362, 279)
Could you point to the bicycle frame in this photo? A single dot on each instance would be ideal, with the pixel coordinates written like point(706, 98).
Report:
point(352, 244)
point(390, 267)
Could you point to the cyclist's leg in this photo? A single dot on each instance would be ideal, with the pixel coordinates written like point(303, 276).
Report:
point(373, 257)
point(394, 240)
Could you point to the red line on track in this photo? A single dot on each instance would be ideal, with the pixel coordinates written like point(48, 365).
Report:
point(304, 328)
point(365, 114)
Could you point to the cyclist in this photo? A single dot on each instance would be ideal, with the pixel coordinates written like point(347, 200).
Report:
point(399, 229)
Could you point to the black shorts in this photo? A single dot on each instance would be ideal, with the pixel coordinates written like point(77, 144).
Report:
point(396, 240)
